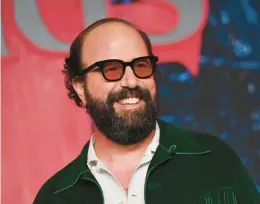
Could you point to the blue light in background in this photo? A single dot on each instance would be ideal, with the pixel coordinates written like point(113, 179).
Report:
point(180, 77)
point(241, 49)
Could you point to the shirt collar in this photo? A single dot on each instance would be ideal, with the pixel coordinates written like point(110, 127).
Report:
point(155, 141)
point(91, 157)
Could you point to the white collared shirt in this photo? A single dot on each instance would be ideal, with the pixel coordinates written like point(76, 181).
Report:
point(113, 191)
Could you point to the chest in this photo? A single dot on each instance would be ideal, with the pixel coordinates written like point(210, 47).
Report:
point(124, 174)
point(182, 180)
point(162, 185)
point(125, 185)
point(123, 177)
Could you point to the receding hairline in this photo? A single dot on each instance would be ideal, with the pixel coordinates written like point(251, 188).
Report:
point(77, 44)
point(89, 30)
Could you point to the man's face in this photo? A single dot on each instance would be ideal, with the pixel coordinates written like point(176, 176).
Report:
point(124, 111)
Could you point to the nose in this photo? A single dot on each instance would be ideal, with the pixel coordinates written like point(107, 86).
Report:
point(129, 79)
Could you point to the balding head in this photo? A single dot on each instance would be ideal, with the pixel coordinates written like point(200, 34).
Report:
point(113, 40)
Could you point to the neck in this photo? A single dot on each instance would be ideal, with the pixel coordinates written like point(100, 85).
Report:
point(110, 152)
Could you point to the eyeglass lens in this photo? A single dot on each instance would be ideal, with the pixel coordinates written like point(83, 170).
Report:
point(114, 70)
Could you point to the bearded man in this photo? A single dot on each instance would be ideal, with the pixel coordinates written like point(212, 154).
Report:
point(132, 156)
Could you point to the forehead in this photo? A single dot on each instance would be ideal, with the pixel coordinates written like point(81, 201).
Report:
point(112, 41)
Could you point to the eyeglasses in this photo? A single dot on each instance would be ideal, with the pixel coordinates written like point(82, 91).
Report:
point(114, 69)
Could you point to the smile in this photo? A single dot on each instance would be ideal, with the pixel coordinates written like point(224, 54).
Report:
point(129, 101)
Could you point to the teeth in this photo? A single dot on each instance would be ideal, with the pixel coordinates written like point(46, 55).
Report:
point(129, 101)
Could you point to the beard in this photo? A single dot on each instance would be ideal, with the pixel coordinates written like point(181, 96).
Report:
point(126, 127)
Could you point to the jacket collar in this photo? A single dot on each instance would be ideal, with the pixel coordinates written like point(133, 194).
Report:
point(178, 141)
point(73, 171)
point(172, 141)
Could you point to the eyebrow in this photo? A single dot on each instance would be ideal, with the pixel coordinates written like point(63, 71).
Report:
point(130, 60)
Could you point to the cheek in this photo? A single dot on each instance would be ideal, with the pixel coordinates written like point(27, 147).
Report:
point(151, 85)
point(98, 87)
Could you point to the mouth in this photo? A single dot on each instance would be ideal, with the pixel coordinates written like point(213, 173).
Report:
point(129, 101)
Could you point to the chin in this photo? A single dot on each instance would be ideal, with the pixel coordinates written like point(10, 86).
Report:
point(132, 114)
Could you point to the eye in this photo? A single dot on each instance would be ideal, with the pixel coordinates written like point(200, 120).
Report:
point(143, 64)
point(112, 66)
point(110, 69)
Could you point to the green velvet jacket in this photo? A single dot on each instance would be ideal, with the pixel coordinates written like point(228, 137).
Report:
point(187, 168)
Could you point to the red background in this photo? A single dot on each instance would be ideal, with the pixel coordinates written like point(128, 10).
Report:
point(42, 130)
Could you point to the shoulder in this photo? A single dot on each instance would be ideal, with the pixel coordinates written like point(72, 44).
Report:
point(214, 144)
point(47, 191)
point(192, 140)
point(63, 178)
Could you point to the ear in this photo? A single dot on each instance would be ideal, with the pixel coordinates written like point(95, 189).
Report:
point(78, 85)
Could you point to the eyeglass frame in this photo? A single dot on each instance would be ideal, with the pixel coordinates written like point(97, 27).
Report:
point(100, 66)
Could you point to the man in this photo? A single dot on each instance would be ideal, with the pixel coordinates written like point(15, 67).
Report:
point(132, 157)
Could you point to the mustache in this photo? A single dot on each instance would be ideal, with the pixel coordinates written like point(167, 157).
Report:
point(137, 92)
